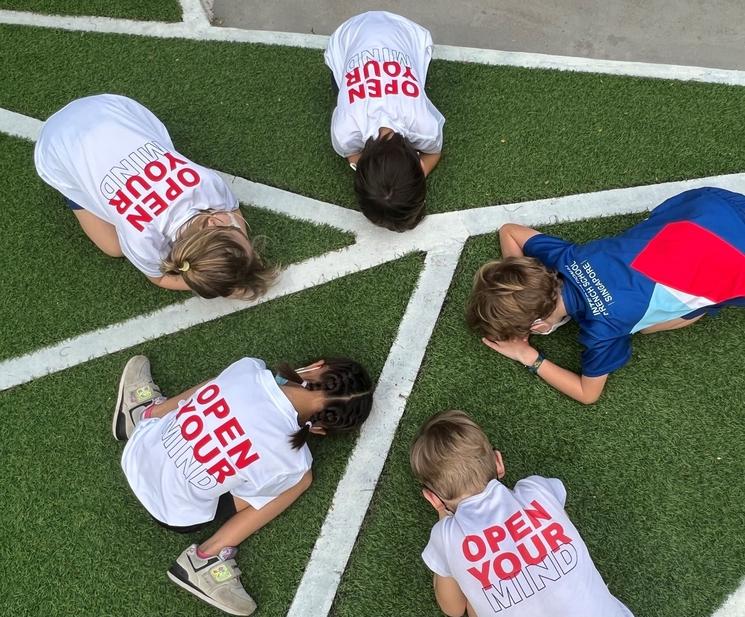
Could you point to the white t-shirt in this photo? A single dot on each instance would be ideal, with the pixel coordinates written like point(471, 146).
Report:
point(114, 158)
point(232, 435)
point(380, 62)
point(517, 553)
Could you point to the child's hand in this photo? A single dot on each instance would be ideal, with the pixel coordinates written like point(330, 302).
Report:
point(516, 349)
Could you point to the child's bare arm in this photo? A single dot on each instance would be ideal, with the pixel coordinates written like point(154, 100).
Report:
point(169, 281)
point(429, 161)
point(512, 238)
point(248, 520)
point(581, 388)
point(449, 596)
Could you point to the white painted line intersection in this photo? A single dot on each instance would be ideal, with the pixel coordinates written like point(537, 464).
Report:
point(441, 236)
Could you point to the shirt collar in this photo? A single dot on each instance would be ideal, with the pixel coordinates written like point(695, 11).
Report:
point(278, 396)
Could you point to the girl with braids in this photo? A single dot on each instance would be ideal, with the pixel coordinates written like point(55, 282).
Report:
point(232, 449)
point(134, 195)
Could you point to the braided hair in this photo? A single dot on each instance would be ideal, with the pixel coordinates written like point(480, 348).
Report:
point(348, 390)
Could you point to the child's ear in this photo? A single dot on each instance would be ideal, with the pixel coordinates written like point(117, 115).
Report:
point(433, 499)
point(500, 464)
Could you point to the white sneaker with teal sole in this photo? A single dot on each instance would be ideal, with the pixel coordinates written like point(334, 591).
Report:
point(215, 580)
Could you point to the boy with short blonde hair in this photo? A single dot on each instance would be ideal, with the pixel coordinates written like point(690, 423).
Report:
point(686, 260)
point(496, 550)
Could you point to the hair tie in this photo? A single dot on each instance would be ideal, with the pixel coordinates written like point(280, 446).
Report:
point(184, 267)
point(308, 425)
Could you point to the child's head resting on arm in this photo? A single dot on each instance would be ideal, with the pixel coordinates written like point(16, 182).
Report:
point(218, 260)
point(452, 457)
point(348, 397)
point(509, 296)
point(390, 182)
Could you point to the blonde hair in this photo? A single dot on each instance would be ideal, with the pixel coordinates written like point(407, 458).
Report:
point(214, 263)
point(509, 295)
point(452, 456)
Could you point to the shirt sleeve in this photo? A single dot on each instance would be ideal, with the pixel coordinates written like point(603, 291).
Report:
point(549, 250)
point(346, 137)
point(258, 498)
point(434, 553)
point(149, 265)
point(426, 135)
point(550, 486)
point(601, 357)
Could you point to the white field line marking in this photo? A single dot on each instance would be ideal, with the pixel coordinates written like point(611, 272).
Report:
point(318, 586)
point(375, 246)
point(297, 206)
point(194, 14)
point(261, 195)
point(734, 605)
point(18, 125)
point(192, 312)
point(194, 29)
point(197, 27)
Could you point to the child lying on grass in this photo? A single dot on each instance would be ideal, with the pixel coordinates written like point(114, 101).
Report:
point(232, 449)
point(134, 195)
point(687, 259)
point(384, 124)
point(496, 550)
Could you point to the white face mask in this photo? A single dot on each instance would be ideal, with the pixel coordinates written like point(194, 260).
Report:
point(231, 217)
point(554, 327)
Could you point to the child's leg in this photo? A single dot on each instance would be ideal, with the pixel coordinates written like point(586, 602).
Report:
point(248, 520)
point(101, 233)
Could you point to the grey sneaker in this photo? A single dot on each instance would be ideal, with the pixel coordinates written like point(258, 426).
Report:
point(136, 391)
point(214, 580)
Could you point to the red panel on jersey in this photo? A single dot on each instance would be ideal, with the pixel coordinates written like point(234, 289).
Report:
point(693, 260)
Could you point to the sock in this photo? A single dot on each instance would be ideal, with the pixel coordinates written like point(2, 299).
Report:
point(227, 552)
point(148, 413)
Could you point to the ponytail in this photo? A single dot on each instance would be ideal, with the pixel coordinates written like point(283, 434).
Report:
point(213, 262)
point(300, 437)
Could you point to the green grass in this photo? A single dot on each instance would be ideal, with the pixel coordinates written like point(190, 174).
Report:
point(653, 471)
point(155, 10)
point(511, 134)
point(76, 542)
point(57, 284)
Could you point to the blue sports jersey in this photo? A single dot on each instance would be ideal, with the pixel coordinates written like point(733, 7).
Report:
point(689, 255)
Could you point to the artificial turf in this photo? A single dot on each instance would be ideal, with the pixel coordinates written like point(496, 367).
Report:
point(512, 134)
point(56, 283)
point(156, 10)
point(653, 471)
point(76, 541)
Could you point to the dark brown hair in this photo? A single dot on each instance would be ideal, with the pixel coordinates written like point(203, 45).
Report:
point(390, 182)
point(509, 295)
point(348, 389)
